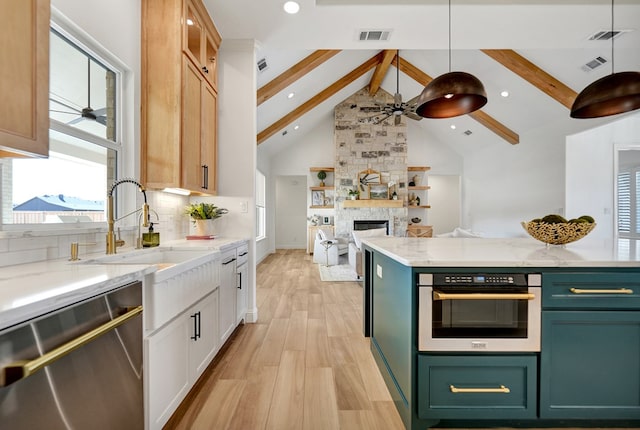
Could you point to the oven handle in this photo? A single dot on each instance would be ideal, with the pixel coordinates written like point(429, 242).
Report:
point(618, 291)
point(21, 369)
point(501, 389)
point(437, 295)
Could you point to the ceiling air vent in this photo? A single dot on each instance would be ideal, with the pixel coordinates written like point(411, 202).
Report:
point(262, 65)
point(593, 64)
point(606, 34)
point(468, 132)
point(373, 35)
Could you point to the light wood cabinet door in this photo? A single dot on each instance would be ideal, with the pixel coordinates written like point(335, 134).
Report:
point(24, 78)
point(209, 144)
point(192, 174)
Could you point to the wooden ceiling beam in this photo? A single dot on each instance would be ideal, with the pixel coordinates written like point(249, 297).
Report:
point(293, 74)
point(492, 124)
point(534, 75)
point(381, 70)
point(319, 98)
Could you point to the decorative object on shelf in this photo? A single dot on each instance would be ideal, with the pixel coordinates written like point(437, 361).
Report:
point(613, 94)
point(379, 192)
point(366, 178)
point(317, 198)
point(394, 196)
point(322, 175)
point(415, 180)
point(314, 220)
point(556, 230)
point(203, 215)
point(353, 194)
point(416, 220)
point(412, 200)
point(417, 200)
point(452, 94)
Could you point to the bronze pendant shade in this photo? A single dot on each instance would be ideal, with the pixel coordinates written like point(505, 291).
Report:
point(611, 95)
point(450, 95)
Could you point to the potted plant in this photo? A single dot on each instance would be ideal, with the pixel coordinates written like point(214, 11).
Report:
point(353, 194)
point(322, 175)
point(202, 216)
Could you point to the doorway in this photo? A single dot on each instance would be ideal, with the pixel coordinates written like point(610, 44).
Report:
point(291, 212)
point(627, 195)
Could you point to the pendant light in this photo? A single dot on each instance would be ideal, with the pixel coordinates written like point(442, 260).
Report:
point(452, 94)
point(611, 95)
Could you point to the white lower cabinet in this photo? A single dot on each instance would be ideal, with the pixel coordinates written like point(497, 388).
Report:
point(177, 355)
point(228, 287)
point(242, 273)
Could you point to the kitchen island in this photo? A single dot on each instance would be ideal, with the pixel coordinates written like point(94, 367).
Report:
point(583, 308)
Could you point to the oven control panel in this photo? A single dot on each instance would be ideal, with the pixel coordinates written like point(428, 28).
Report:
point(480, 279)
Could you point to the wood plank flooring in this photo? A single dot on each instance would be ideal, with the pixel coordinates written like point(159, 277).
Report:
point(303, 366)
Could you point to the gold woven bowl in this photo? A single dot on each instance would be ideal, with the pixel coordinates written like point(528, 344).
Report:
point(558, 234)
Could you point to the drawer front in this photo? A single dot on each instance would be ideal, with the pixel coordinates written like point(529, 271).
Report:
point(243, 254)
point(477, 387)
point(591, 290)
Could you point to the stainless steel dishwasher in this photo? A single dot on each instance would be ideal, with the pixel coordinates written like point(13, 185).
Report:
point(79, 367)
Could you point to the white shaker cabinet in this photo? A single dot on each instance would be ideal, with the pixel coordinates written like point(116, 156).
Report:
point(228, 287)
point(178, 354)
point(242, 285)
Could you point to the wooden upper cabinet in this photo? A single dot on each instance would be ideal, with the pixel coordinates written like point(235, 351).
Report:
point(24, 78)
point(179, 96)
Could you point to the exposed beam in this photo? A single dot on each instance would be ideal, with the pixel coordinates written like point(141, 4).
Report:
point(534, 75)
point(381, 70)
point(319, 98)
point(293, 74)
point(492, 124)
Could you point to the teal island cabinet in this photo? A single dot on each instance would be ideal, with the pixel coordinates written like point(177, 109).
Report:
point(581, 304)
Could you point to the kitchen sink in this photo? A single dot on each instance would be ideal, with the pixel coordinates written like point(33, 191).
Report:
point(163, 258)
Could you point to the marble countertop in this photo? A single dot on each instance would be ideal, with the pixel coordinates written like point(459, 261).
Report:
point(30, 290)
point(513, 252)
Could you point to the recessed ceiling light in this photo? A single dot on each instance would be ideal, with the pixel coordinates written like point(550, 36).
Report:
point(453, 126)
point(504, 93)
point(290, 95)
point(291, 7)
point(189, 21)
point(296, 127)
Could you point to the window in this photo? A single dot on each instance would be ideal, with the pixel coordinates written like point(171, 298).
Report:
point(70, 185)
point(261, 214)
point(629, 202)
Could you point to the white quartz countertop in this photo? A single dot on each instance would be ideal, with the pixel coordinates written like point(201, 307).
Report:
point(514, 252)
point(31, 290)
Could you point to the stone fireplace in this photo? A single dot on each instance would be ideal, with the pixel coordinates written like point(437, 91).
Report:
point(365, 140)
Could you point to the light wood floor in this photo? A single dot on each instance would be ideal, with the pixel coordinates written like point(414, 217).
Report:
point(303, 365)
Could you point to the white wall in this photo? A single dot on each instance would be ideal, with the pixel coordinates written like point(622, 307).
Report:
point(591, 171)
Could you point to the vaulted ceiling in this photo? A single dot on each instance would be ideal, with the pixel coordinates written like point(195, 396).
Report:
point(535, 49)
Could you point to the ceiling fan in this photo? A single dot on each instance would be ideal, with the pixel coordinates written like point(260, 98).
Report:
point(98, 115)
point(398, 107)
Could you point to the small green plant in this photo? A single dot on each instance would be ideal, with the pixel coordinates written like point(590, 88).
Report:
point(322, 175)
point(354, 192)
point(197, 211)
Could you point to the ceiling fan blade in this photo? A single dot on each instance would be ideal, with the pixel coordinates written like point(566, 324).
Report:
point(413, 101)
point(103, 120)
point(61, 111)
point(376, 120)
point(412, 115)
point(397, 120)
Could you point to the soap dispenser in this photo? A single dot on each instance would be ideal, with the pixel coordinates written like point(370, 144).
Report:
point(151, 238)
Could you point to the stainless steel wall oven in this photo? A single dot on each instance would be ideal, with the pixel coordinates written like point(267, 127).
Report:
point(479, 312)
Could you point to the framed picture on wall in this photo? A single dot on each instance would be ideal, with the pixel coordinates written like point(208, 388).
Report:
point(379, 192)
point(317, 198)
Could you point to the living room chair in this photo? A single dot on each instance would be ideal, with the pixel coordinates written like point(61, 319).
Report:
point(327, 248)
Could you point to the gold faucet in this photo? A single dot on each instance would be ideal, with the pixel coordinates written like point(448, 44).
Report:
point(112, 243)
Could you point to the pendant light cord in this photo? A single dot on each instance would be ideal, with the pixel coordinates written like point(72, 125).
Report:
point(612, 37)
point(450, 35)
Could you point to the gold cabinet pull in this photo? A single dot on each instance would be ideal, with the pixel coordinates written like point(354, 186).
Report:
point(437, 295)
point(501, 389)
point(616, 291)
point(22, 369)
